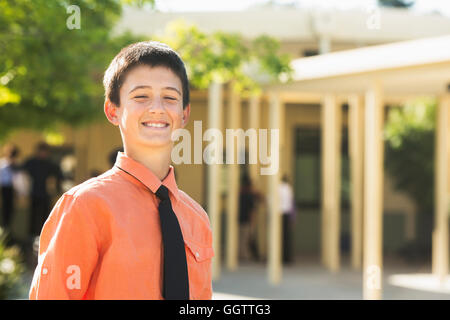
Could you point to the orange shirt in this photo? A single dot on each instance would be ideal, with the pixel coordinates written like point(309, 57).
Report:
point(102, 239)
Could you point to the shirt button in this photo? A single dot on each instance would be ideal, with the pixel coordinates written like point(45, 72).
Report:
point(197, 255)
point(44, 271)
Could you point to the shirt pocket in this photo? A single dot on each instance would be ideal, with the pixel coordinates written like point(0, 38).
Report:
point(200, 252)
point(198, 258)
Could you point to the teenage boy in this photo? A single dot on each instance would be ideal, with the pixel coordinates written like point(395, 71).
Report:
point(130, 233)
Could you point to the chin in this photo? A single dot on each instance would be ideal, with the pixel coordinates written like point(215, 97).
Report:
point(156, 143)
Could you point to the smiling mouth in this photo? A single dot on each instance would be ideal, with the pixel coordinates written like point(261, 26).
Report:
point(157, 125)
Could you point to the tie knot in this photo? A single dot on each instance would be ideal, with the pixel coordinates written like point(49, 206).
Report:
point(162, 193)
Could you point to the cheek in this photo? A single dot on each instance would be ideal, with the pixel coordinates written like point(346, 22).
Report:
point(124, 119)
point(177, 116)
point(129, 117)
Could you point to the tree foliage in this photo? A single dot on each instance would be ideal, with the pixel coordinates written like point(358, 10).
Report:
point(410, 137)
point(48, 73)
point(51, 74)
point(11, 267)
point(224, 57)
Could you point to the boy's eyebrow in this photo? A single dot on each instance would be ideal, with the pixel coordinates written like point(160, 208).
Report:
point(149, 87)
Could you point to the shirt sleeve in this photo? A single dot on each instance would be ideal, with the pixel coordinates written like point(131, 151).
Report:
point(68, 252)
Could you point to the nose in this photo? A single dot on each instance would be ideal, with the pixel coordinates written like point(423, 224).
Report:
point(156, 106)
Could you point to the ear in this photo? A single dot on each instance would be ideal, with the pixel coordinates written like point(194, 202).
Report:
point(186, 114)
point(111, 112)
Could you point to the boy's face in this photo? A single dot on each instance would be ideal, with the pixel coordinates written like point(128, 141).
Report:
point(151, 107)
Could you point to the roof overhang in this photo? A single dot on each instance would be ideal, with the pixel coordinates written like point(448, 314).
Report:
point(408, 67)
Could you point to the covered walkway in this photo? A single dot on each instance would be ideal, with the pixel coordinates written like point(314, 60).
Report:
point(367, 79)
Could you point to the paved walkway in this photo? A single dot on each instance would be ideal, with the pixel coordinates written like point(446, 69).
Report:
point(309, 280)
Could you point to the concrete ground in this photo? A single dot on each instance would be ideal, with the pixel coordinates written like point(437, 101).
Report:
point(307, 279)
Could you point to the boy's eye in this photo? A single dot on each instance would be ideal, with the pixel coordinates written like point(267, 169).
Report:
point(170, 98)
point(140, 97)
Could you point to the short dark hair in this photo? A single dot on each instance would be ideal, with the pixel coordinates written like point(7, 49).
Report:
point(151, 53)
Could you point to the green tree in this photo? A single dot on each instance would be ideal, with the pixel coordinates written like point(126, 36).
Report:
point(224, 57)
point(51, 74)
point(410, 140)
point(409, 159)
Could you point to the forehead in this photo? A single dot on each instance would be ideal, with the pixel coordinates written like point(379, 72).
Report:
point(156, 77)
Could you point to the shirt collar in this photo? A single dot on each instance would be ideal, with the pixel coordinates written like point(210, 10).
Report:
point(145, 175)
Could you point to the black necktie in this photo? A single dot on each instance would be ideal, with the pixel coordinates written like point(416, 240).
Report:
point(175, 279)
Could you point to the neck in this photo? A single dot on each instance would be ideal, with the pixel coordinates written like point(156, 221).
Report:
point(157, 160)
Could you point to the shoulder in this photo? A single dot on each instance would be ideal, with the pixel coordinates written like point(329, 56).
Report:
point(29, 163)
point(96, 187)
point(30, 160)
point(93, 197)
point(284, 186)
point(86, 203)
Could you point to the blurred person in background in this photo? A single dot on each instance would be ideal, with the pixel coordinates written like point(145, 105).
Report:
point(40, 168)
point(8, 168)
point(287, 209)
point(247, 206)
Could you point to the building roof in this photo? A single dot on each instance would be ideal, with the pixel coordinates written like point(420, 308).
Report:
point(301, 24)
point(407, 67)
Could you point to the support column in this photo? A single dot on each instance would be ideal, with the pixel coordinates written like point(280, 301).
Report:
point(254, 123)
point(373, 192)
point(356, 150)
point(440, 233)
point(233, 122)
point(331, 181)
point(214, 178)
point(324, 44)
point(274, 232)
